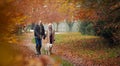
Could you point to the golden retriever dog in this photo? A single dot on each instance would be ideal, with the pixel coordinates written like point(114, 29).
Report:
point(48, 47)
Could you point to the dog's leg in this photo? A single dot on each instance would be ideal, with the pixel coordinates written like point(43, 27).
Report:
point(49, 51)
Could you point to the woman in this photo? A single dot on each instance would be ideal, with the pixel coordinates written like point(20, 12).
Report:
point(50, 36)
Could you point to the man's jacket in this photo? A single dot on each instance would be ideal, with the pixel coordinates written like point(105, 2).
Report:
point(39, 31)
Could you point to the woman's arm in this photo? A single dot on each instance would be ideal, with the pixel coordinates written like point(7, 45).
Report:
point(53, 36)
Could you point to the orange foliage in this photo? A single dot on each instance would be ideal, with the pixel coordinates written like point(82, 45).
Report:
point(87, 14)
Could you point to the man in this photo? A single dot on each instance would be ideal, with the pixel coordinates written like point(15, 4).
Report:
point(39, 33)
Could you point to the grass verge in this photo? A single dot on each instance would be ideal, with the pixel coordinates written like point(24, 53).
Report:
point(88, 47)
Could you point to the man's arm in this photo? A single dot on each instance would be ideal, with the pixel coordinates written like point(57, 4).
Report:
point(35, 31)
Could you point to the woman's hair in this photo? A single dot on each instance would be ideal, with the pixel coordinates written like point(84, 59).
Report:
point(49, 26)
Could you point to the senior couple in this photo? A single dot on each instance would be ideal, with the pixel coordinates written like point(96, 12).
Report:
point(39, 33)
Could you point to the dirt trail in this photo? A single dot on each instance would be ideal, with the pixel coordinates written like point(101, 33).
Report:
point(31, 59)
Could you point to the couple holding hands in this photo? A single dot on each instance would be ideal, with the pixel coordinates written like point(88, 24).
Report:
point(39, 33)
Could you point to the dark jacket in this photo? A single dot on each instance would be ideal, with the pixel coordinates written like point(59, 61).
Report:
point(39, 31)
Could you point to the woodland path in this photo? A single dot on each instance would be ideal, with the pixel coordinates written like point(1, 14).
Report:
point(28, 49)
